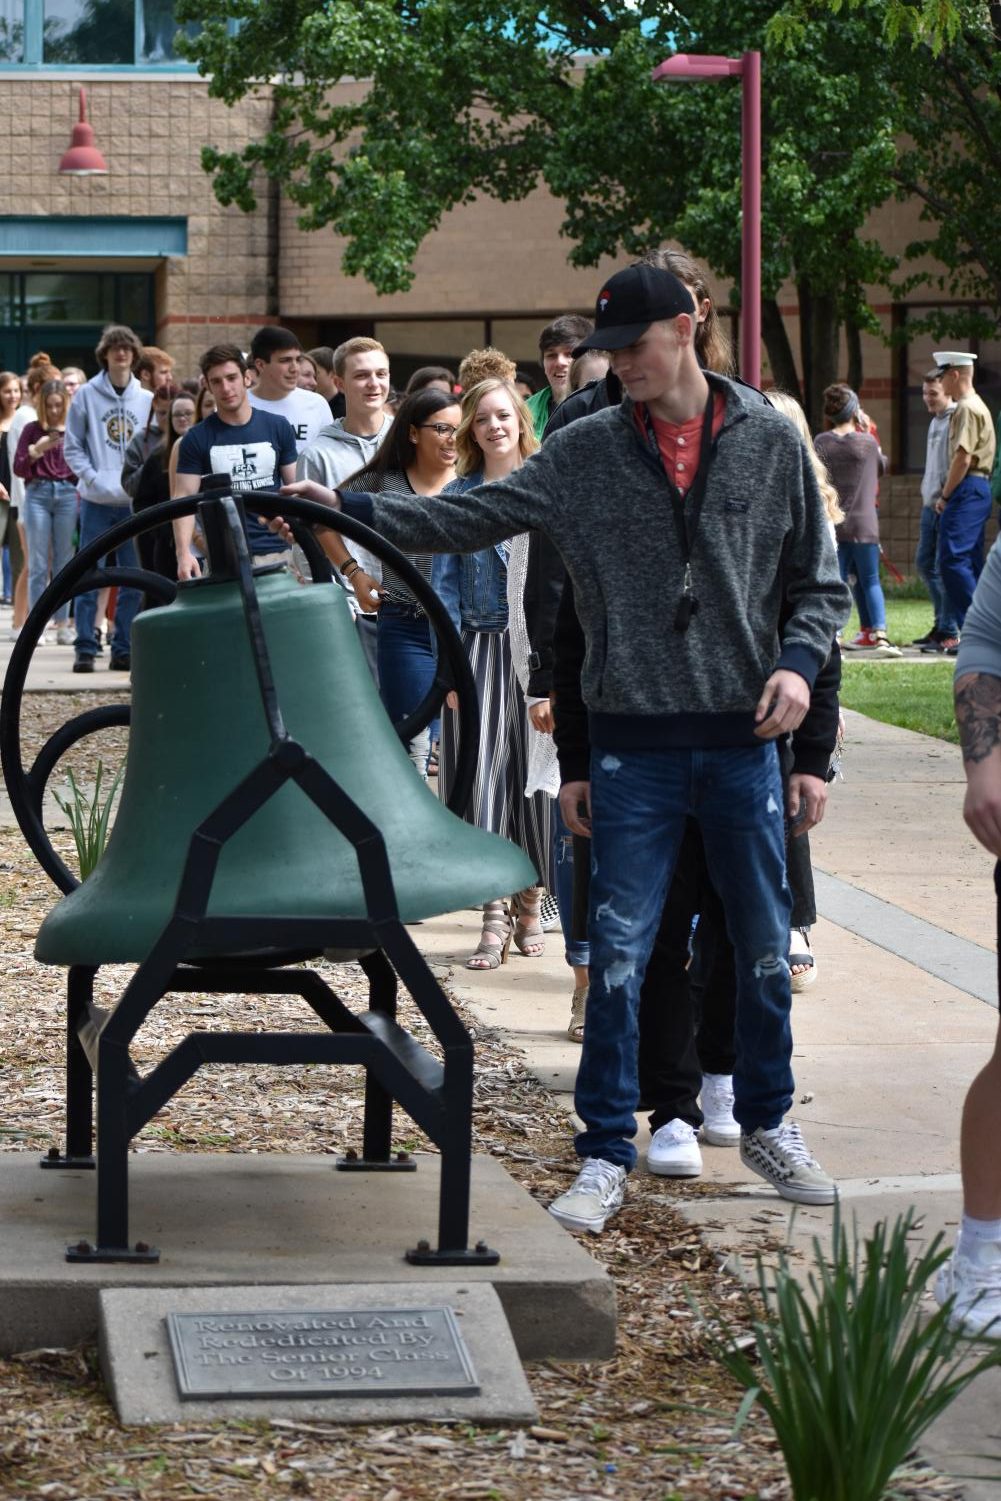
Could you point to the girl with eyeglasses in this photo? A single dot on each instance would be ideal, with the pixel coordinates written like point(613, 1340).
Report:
point(417, 455)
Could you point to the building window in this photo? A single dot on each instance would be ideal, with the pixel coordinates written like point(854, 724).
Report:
point(63, 313)
point(89, 34)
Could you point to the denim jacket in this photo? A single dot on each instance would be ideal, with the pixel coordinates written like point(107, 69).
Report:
point(472, 586)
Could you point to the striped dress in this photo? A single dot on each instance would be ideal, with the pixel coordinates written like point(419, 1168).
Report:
point(498, 802)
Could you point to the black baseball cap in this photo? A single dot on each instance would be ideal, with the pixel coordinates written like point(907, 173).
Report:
point(630, 301)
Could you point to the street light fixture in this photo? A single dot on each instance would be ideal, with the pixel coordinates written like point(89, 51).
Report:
point(690, 67)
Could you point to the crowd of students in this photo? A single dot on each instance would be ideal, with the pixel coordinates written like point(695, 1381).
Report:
point(653, 642)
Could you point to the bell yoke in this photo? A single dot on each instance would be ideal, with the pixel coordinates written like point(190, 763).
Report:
point(252, 835)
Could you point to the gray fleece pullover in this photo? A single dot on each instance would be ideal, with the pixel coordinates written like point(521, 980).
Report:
point(763, 551)
point(980, 648)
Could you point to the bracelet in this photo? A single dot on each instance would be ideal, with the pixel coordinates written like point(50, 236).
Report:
point(346, 565)
point(349, 576)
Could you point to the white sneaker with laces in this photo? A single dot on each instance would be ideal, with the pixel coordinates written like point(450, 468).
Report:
point(595, 1195)
point(43, 639)
point(719, 1128)
point(974, 1284)
point(782, 1158)
point(674, 1151)
point(65, 635)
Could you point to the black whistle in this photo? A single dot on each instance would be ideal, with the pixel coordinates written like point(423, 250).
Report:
point(687, 607)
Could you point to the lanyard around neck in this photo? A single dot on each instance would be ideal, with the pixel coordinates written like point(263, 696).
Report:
point(687, 511)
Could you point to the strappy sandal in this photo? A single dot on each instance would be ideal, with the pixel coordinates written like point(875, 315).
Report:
point(497, 925)
point(800, 953)
point(578, 1005)
point(529, 938)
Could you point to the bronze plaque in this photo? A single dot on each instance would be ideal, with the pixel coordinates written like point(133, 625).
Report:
point(361, 1352)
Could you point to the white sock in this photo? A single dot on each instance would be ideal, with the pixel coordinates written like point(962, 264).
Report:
point(974, 1235)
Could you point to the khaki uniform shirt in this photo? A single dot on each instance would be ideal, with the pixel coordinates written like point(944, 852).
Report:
point(972, 429)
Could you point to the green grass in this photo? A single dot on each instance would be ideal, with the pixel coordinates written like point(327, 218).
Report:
point(906, 619)
point(914, 695)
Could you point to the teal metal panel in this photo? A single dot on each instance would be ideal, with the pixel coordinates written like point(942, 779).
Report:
point(73, 236)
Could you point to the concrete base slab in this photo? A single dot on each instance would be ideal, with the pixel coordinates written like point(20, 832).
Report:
point(139, 1370)
point(277, 1220)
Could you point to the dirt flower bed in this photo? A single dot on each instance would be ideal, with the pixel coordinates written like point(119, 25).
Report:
point(652, 1424)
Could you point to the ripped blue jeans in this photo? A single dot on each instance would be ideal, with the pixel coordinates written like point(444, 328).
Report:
point(639, 801)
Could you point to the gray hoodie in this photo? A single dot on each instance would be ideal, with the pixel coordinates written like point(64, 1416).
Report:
point(332, 457)
point(763, 550)
point(100, 425)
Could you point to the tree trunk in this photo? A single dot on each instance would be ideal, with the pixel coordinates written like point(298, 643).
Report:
point(855, 372)
point(819, 329)
point(780, 355)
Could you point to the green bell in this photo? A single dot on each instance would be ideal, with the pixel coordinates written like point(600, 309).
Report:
point(198, 729)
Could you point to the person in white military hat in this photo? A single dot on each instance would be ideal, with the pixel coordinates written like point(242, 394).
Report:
point(965, 502)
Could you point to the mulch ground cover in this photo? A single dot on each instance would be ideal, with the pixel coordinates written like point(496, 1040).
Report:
point(652, 1424)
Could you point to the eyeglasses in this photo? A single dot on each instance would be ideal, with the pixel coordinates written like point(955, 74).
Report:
point(443, 429)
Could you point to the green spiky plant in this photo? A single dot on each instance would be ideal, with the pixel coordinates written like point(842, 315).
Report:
point(90, 817)
point(850, 1371)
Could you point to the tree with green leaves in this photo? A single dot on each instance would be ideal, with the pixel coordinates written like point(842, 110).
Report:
point(944, 60)
point(490, 96)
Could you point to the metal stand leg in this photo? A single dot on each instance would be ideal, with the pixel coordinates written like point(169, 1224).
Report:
point(112, 1164)
point(79, 1078)
point(377, 1131)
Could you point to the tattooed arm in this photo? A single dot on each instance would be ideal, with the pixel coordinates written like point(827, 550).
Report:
point(978, 715)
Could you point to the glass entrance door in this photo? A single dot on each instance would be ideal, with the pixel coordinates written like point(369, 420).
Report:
point(63, 313)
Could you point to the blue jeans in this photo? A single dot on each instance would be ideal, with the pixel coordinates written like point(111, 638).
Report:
point(639, 802)
point(577, 951)
point(926, 563)
point(95, 520)
point(407, 666)
point(49, 521)
point(961, 542)
point(862, 559)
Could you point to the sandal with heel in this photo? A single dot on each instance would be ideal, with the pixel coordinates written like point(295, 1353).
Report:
point(801, 955)
point(497, 925)
point(529, 939)
point(578, 1007)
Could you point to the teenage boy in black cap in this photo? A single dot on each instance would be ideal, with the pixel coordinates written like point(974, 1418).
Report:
point(686, 516)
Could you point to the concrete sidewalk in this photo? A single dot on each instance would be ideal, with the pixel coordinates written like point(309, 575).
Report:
point(901, 1017)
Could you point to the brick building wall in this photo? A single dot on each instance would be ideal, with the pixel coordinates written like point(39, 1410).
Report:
point(150, 130)
point(900, 520)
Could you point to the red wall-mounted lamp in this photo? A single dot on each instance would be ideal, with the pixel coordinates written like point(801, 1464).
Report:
point(83, 158)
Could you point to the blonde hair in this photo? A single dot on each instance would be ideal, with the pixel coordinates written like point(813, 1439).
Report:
point(790, 407)
point(485, 364)
point(360, 345)
point(469, 454)
point(590, 357)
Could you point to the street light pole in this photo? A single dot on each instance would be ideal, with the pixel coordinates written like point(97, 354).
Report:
point(683, 67)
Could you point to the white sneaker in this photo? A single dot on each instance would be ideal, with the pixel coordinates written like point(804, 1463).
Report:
point(781, 1157)
point(65, 635)
point(596, 1194)
point(674, 1151)
point(974, 1283)
point(719, 1128)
